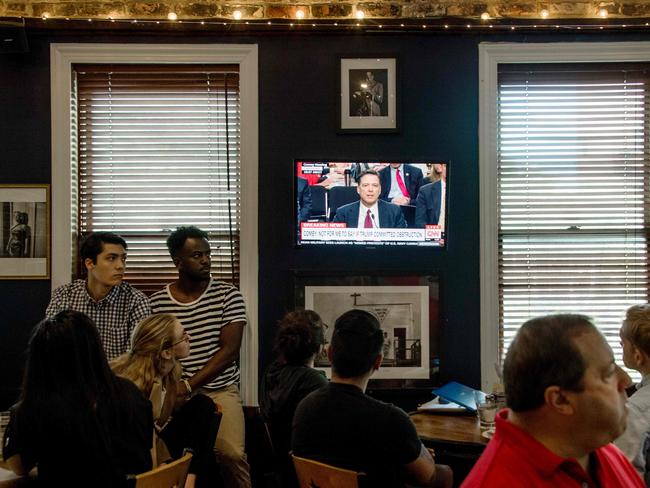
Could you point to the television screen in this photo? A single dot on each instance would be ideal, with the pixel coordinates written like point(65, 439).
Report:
point(371, 202)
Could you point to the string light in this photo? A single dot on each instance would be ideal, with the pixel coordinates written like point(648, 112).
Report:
point(324, 24)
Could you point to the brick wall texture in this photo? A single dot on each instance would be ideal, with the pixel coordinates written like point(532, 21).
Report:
point(319, 10)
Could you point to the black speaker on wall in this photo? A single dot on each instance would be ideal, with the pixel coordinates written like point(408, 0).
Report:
point(13, 38)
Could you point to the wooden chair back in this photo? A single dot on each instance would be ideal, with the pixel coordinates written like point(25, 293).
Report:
point(170, 475)
point(314, 474)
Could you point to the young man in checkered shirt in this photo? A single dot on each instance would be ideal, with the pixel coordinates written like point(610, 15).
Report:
point(114, 305)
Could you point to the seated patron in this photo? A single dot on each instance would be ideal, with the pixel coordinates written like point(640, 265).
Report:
point(340, 425)
point(110, 302)
point(635, 338)
point(76, 421)
point(430, 203)
point(566, 399)
point(400, 183)
point(289, 379)
point(370, 212)
point(158, 342)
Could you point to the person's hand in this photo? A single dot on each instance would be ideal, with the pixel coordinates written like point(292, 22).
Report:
point(432, 452)
point(401, 200)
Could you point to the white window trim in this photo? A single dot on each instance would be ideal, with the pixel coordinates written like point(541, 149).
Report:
point(490, 56)
point(62, 56)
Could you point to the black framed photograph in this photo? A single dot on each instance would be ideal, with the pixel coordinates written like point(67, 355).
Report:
point(368, 95)
point(407, 307)
point(24, 232)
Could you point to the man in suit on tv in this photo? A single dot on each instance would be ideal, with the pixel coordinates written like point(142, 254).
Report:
point(304, 199)
point(430, 203)
point(400, 183)
point(370, 212)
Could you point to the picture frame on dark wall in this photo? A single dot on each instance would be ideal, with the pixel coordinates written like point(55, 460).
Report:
point(369, 97)
point(407, 307)
point(24, 232)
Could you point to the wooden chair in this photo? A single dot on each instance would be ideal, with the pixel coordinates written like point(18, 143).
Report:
point(170, 475)
point(314, 474)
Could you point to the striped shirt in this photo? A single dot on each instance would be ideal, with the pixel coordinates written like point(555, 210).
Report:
point(219, 305)
point(115, 315)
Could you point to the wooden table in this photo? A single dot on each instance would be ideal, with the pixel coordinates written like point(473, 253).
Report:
point(456, 440)
point(461, 429)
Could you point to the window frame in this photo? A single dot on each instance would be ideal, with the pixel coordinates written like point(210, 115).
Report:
point(491, 55)
point(62, 57)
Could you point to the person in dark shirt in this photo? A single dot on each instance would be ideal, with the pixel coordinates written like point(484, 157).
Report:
point(288, 380)
point(342, 426)
point(76, 421)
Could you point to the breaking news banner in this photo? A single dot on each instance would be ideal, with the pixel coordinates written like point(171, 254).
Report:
point(338, 232)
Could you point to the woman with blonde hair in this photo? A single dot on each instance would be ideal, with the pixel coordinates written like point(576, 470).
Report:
point(157, 343)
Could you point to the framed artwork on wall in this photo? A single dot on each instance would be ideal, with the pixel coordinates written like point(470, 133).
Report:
point(407, 308)
point(368, 95)
point(24, 232)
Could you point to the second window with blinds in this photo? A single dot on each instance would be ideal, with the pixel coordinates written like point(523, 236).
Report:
point(158, 147)
point(572, 193)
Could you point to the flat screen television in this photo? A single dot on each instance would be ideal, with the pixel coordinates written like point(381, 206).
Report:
point(371, 203)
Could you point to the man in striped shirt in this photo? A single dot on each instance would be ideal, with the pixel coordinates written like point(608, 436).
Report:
point(213, 313)
point(114, 305)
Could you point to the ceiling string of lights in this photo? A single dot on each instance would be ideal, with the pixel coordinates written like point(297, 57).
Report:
point(484, 22)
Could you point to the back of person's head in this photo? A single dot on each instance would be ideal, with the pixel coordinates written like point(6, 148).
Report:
point(356, 342)
point(300, 336)
point(93, 245)
point(143, 362)
point(65, 357)
point(177, 238)
point(543, 354)
point(636, 327)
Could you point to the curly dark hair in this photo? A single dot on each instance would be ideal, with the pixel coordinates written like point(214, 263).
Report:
point(299, 337)
point(176, 239)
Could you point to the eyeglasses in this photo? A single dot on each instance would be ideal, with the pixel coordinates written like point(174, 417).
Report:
point(186, 337)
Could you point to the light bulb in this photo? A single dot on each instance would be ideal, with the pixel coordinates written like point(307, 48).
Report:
point(544, 14)
point(172, 16)
point(360, 14)
point(300, 14)
point(237, 15)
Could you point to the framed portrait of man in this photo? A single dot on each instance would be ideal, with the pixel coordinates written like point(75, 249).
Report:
point(368, 95)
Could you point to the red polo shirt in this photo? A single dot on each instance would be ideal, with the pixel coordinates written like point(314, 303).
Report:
point(515, 459)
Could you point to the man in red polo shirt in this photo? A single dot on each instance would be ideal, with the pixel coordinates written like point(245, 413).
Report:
point(566, 399)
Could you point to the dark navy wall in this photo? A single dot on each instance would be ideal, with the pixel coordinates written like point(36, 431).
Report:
point(298, 83)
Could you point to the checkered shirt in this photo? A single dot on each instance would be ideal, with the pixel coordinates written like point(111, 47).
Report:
point(115, 315)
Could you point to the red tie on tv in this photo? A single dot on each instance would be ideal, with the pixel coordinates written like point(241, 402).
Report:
point(367, 224)
point(402, 186)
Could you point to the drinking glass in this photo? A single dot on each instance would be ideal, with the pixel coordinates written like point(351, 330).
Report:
point(486, 406)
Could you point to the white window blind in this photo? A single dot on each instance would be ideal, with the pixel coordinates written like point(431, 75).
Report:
point(159, 147)
point(572, 194)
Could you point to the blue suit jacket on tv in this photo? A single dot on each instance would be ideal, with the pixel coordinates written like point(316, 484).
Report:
point(427, 205)
point(390, 215)
point(411, 175)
